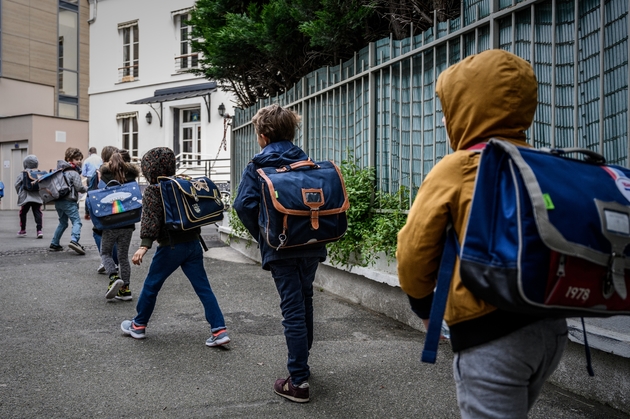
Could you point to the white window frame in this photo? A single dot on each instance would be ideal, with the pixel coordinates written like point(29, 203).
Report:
point(130, 69)
point(185, 59)
point(129, 133)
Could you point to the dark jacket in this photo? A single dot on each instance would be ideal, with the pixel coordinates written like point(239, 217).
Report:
point(247, 202)
point(131, 173)
point(159, 161)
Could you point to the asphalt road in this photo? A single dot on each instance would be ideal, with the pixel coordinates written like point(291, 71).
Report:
point(62, 354)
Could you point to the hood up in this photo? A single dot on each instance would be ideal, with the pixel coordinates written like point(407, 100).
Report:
point(159, 161)
point(30, 162)
point(491, 94)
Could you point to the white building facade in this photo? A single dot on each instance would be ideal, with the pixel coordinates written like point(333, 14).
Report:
point(141, 95)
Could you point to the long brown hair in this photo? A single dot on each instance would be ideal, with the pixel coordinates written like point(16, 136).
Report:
point(118, 167)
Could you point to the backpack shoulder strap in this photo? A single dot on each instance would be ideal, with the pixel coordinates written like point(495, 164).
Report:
point(447, 266)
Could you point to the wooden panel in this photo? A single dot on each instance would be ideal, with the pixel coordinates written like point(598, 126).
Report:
point(43, 76)
point(15, 19)
point(43, 26)
point(49, 6)
point(15, 49)
point(15, 71)
point(43, 56)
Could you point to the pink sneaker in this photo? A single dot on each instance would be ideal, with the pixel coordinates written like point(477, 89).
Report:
point(21, 233)
point(40, 234)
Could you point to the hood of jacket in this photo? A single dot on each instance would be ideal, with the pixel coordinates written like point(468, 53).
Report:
point(30, 162)
point(491, 94)
point(62, 164)
point(159, 161)
point(279, 153)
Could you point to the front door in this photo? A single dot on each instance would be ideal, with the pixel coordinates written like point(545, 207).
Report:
point(190, 138)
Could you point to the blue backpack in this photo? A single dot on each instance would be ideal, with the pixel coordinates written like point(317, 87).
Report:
point(190, 202)
point(302, 204)
point(1, 189)
point(547, 235)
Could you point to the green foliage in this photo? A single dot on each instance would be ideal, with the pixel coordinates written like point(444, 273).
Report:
point(260, 48)
point(374, 219)
point(370, 231)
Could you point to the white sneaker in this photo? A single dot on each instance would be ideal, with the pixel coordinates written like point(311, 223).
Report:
point(101, 269)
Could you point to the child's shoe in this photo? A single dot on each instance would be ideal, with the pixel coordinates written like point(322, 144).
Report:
point(114, 285)
point(286, 389)
point(124, 293)
point(21, 233)
point(55, 248)
point(40, 234)
point(130, 328)
point(218, 338)
point(77, 247)
point(101, 269)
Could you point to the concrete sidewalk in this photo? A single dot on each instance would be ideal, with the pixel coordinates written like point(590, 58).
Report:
point(63, 355)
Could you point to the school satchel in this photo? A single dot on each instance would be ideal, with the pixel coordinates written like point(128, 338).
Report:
point(53, 186)
point(302, 204)
point(190, 202)
point(115, 206)
point(29, 179)
point(547, 235)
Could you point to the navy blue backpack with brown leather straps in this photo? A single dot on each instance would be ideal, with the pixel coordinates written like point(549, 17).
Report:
point(302, 204)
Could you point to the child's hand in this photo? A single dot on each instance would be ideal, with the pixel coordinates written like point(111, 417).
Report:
point(137, 257)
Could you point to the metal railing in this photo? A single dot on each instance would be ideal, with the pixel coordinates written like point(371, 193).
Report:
point(380, 107)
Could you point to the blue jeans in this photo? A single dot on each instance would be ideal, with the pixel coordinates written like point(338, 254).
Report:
point(294, 281)
point(165, 261)
point(67, 210)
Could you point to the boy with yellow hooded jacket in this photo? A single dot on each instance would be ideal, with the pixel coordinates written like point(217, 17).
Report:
point(502, 359)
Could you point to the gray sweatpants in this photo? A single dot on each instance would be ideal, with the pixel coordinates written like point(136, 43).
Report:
point(502, 379)
point(122, 238)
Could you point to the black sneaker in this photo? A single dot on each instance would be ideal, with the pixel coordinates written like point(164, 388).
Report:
point(286, 389)
point(124, 293)
point(55, 248)
point(114, 285)
point(77, 247)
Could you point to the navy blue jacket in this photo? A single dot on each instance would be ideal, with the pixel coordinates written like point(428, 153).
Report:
point(247, 202)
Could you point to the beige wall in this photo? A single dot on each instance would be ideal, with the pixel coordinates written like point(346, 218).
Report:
point(29, 46)
point(29, 41)
point(35, 134)
point(26, 98)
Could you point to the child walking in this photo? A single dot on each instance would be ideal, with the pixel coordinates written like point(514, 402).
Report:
point(29, 199)
point(293, 270)
point(68, 206)
point(120, 238)
point(175, 249)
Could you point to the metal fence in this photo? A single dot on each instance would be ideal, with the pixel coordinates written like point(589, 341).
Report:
point(381, 109)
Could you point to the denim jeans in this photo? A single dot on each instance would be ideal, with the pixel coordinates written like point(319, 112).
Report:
point(166, 260)
point(67, 210)
point(294, 281)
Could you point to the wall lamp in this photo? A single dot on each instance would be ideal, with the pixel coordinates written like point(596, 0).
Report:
point(221, 109)
point(149, 117)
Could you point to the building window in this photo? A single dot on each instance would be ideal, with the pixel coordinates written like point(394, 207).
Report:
point(130, 135)
point(131, 51)
point(187, 58)
point(68, 60)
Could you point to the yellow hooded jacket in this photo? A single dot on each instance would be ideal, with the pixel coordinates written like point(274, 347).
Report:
point(489, 95)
